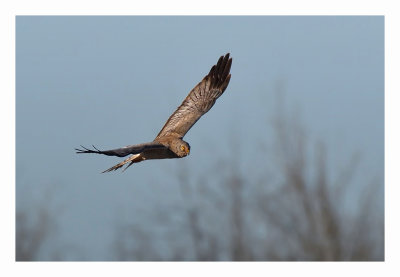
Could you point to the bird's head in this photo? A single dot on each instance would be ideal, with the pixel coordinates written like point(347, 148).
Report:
point(180, 148)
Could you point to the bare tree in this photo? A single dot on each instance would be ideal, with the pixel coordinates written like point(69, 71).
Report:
point(308, 209)
point(34, 224)
point(30, 236)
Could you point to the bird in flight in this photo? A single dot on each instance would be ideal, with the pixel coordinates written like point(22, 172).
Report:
point(169, 144)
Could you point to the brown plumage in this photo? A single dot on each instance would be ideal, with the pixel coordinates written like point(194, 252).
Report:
point(168, 143)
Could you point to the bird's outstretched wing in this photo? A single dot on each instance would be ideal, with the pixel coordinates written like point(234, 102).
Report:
point(124, 151)
point(200, 100)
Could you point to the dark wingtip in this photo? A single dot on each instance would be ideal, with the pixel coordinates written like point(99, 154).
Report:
point(87, 150)
point(80, 151)
point(220, 72)
point(227, 58)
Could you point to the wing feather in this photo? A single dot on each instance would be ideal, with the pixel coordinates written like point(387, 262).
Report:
point(123, 151)
point(200, 100)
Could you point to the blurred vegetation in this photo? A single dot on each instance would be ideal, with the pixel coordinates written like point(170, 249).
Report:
point(35, 223)
point(292, 210)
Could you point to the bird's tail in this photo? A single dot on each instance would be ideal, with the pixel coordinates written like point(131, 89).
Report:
point(131, 160)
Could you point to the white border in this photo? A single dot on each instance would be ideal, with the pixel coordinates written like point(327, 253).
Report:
point(73, 7)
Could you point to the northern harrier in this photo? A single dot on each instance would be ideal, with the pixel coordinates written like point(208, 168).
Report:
point(169, 144)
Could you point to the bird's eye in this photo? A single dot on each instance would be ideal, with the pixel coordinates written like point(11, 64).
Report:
point(183, 147)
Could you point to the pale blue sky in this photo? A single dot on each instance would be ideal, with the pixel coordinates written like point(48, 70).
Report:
point(113, 81)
